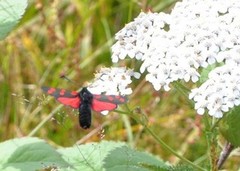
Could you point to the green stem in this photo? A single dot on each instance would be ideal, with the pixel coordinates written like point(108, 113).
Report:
point(163, 144)
point(184, 91)
point(129, 130)
point(213, 151)
point(211, 137)
point(159, 140)
point(215, 124)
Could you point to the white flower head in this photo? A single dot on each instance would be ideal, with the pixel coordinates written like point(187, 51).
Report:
point(220, 92)
point(173, 46)
point(113, 81)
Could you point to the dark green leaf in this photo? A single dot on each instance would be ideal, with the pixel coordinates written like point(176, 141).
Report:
point(230, 127)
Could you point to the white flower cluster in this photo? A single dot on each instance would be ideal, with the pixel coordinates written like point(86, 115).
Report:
point(174, 46)
point(113, 81)
point(220, 92)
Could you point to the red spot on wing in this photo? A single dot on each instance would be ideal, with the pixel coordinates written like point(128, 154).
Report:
point(110, 98)
point(74, 93)
point(97, 96)
point(118, 97)
point(72, 102)
point(100, 106)
point(62, 92)
point(51, 90)
point(69, 98)
point(121, 99)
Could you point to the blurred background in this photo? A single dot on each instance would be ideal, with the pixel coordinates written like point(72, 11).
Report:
point(74, 38)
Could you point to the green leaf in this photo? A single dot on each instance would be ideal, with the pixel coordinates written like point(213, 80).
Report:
point(230, 127)
point(183, 91)
point(88, 157)
point(182, 167)
point(125, 158)
point(205, 71)
point(109, 156)
point(23, 154)
point(10, 13)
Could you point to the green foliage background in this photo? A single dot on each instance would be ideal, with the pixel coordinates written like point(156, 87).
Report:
point(74, 38)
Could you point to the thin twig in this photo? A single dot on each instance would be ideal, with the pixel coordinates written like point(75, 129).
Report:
point(228, 148)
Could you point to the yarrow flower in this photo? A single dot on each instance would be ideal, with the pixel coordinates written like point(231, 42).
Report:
point(220, 92)
point(174, 46)
point(113, 81)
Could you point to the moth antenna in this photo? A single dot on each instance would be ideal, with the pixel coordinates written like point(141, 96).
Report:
point(63, 76)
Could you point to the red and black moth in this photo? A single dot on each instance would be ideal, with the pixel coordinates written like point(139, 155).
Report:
point(85, 101)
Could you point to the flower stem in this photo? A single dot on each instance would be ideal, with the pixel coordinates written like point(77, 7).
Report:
point(184, 91)
point(159, 140)
point(211, 136)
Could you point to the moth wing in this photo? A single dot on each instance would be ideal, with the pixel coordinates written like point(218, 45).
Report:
point(107, 102)
point(111, 98)
point(100, 106)
point(68, 98)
